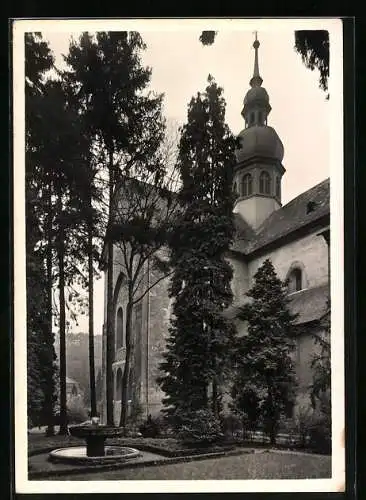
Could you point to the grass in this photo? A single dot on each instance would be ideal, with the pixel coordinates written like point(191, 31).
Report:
point(265, 465)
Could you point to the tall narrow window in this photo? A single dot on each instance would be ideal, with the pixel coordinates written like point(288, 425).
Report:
point(247, 185)
point(260, 117)
point(251, 121)
point(295, 281)
point(278, 187)
point(235, 189)
point(118, 394)
point(119, 332)
point(264, 183)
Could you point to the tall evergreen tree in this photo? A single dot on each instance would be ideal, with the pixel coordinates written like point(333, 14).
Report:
point(265, 382)
point(126, 121)
point(196, 360)
point(41, 355)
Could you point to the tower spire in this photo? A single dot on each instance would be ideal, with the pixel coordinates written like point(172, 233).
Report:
point(256, 80)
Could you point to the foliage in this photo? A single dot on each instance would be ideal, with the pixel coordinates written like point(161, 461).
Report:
point(150, 428)
point(199, 345)
point(111, 86)
point(201, 427)
point(313, 46)
point(231, 424)
point(76, 411)
point(321, 362)
point(40, 350)
point(320, 432)
point(264, 386)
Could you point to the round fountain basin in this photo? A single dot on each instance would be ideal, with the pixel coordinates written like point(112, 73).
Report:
point(95, 436)
point(85, 431)
point(78, 455)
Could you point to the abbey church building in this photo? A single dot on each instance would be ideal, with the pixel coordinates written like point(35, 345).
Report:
point(295, 237)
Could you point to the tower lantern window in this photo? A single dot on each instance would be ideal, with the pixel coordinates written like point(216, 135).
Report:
point(264, 183)
point(247, 185)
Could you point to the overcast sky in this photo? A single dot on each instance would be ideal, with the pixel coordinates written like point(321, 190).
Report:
point(300, 111)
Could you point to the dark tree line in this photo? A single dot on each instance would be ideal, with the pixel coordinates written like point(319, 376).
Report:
point(89, 128)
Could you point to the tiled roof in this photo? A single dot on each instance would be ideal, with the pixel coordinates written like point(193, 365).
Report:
point(283, 221)
point(310, 304)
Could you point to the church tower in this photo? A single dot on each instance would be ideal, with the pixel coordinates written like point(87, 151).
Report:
point(259, 169)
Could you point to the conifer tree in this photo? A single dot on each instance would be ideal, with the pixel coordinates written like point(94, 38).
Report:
point(125, 118)
point(198, 348)
point(40, 340)
point(265, 382)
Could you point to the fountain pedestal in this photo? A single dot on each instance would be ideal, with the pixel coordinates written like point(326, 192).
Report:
point(95, 446)
point(95, 436)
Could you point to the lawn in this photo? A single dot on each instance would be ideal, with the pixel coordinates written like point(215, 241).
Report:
point(264, 465)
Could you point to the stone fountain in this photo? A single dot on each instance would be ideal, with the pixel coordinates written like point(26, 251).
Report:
point(95, 452)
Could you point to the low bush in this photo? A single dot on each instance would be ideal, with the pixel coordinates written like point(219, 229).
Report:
point(151, 428)
point(320, 434)
point(202, 428)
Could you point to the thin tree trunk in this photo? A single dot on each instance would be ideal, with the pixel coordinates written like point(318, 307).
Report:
point(215, 397)
point(50, 431)
point(93, 402)
point(61, 256)
point(126, 371)
point(110, 322)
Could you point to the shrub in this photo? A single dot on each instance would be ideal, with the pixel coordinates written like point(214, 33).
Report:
point(232, 425)
point(320, 434)
point(76, 411)
point(203, 428)
point(150, 428)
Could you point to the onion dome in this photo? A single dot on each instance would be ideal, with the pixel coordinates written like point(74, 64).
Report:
point(261, 141)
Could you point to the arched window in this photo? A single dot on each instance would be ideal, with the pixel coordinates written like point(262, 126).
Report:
point(119, 332)
point(251, 120)
point(118, 394)
point(246, 185)
point(264, 183)
point(235, 189)
point(295, 280)
point(260, 117)
point(278, 187)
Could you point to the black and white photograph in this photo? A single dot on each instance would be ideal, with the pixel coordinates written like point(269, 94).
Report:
point(178, 255)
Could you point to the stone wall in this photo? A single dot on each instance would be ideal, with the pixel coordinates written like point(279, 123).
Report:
point(311, 251)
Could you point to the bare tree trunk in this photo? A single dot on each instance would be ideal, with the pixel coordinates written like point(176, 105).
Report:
point(93, 402)
point(126, 371)
point(110, 322)
point(61, 256)
point(50, 431)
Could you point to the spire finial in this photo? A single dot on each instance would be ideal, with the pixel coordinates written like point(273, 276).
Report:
point(256, 80)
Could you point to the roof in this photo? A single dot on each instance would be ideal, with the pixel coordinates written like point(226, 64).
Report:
point(310, 304)
point(244, 233)
point(283, 221)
